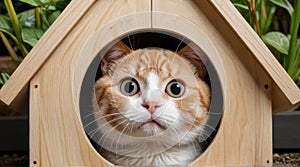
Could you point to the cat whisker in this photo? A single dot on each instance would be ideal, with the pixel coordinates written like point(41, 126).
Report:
point(122, 133)
point(97, 119)
point(190, 122)
point(205, 125)
point(204, 136)
point(129, 134)
point(197, 146)
point(92, 116)
point(88, 115)
point(134, 42)
point(177, 132)
point(93, 132)
point(107, 134)
point(167, 119)
point(203, 132)
point(130, 44)
point(177, 48)
point(208, 126)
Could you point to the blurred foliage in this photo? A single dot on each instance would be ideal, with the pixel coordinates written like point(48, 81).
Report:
point(23, 23)
point(260, 14)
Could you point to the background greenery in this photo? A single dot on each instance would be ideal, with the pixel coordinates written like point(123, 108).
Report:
point(277, 23)
point(23, 23)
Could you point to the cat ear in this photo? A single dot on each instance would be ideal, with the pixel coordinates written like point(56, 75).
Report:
point(113, 53)
point(195, 56)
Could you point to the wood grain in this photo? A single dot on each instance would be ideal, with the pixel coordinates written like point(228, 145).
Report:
point(283, 81)
point(34, 125)
point(62, 139)
point(244, 135)
point(43, 49)
point(59, 62)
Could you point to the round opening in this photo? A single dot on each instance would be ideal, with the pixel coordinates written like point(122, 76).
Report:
point(156, 94)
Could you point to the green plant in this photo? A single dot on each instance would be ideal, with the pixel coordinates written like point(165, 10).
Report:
point(286, 48)
point(23, 30)
point(3, 78)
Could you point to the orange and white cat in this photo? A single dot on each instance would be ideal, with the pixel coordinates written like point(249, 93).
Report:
point(151, 106)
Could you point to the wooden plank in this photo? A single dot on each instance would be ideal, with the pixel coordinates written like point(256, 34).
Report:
point(263, 121)
point(111, 30)
point(244, 135)
point(279, 76)
point(40, 53)
point(63, 141)
point(34, 125)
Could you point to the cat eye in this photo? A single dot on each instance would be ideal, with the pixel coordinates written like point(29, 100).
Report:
point(129, 87)
point(175, 89)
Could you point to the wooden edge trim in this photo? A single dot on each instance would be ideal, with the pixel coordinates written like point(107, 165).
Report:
point(34, 125)
point(43, 49)
point(259, 49)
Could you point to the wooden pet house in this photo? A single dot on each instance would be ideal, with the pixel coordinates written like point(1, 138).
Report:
point(253, 84)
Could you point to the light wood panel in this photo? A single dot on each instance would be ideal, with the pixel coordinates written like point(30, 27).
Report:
point(283, 81)
point(57, 137)
point(39, 54)
point(34, 122)
point(62, 140)
point(244, 135)
point(100, 40)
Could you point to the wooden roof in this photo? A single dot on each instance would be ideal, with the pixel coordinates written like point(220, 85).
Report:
point(285, 94)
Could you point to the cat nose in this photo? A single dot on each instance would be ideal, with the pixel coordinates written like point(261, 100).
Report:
point(151, 106)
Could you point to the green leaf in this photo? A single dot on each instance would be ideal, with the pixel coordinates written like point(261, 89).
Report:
point(13, 19)
point(5, 24)
point(236, 1)
point(33, 2)
point(278, 41)
point(46, 1)
point(12, 36)
point(62, 4)
point(4, 78)
point(297, 58)
point(27, 18)
point(241, 6)
point(45, 22)
point(270, 14)
point(53, 16)
point(51, 8)
point(6, 27)
point(31, 35)
point(284, 4)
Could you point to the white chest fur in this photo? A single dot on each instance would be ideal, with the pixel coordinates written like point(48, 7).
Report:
point(175, 156)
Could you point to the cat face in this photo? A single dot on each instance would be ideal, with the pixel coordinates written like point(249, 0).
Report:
point(151, 93)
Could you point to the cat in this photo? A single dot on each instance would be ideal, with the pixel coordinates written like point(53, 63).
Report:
point(151, 106)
